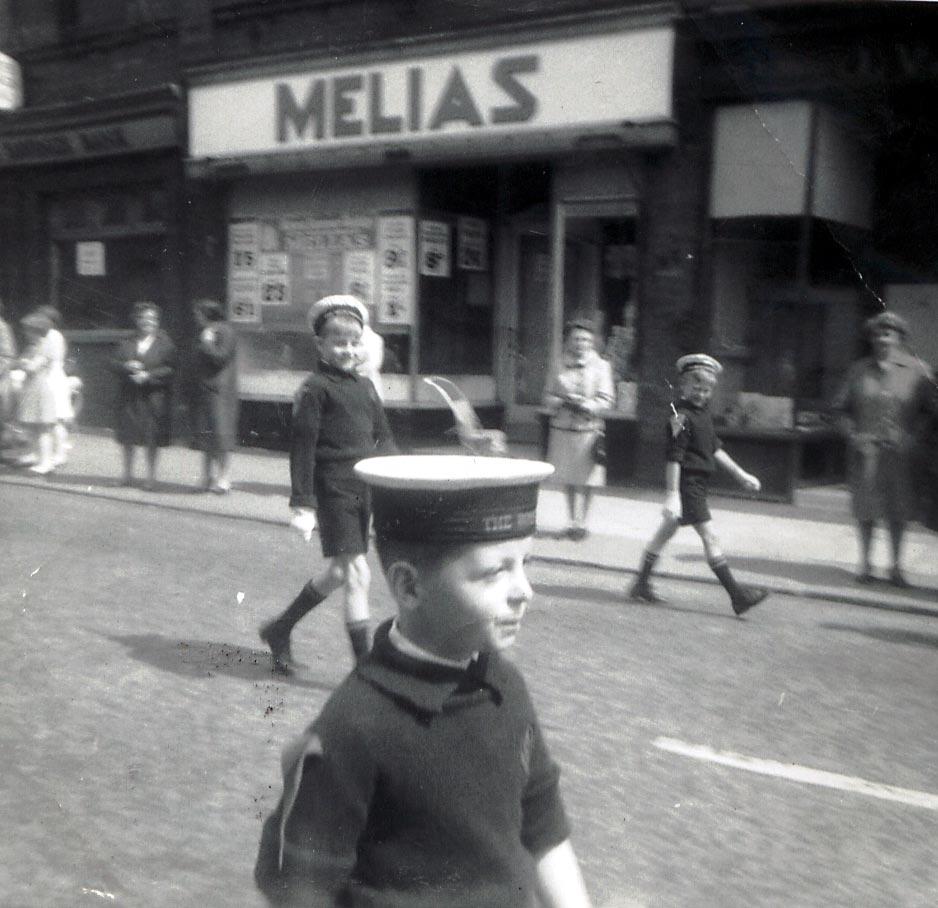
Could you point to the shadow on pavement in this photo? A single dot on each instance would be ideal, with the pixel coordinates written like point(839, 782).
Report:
point(278, 489)
point(204, 658)
point(889, 634)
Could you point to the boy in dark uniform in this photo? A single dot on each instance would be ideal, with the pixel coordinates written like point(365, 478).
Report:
point(338, 419)
point(426, 780)
point(693, 454)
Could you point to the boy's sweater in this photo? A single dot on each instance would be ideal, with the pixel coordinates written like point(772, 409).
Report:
point(694, 445)
point(418, 785)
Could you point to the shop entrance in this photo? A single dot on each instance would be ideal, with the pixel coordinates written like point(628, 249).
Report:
point(585, 266)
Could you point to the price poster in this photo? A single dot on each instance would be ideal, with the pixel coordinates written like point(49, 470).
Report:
point(242, 249)
point(434, 249)
point(396, 270)
point(244, 300)
point(275, 278)
point(359, 276)
point(472, 245)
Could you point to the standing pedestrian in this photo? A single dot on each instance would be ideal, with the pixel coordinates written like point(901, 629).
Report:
point(575, 395)
point(37, 409)
point(7, 364)
point(878, 404)
point(215, 403)
point(426, 779)
point(337, 420)
point(145, 364)
point(57, 348)
point(693, 453)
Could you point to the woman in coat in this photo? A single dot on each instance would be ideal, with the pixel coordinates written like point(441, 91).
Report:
point(879, 403)
point(575, 395)
point(215, 403)
point(145, 364)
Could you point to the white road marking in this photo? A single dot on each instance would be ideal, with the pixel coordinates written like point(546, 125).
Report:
point(796, 773)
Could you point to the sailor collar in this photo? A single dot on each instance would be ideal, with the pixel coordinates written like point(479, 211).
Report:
point(426, 686)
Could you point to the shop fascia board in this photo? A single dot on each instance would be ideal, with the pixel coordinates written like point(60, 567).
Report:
point(401, 48)
point(660, 134)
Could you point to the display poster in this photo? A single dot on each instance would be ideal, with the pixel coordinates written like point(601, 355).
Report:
point(472, 245)
point(244, 304)
point(396, 270)
point(360, 276)
point(318, 267)
point(89, 259)
point(242, 249)
point(275, 278)
point(434, 258)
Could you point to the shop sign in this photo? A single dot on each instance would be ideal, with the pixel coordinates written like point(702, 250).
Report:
point(434, 249)
point(11, 84)
point(359, 267)
point(126, 137)
point(472, 245)
point(596, 81)
point(396, 265)
point(303, 234)
point(89, 259)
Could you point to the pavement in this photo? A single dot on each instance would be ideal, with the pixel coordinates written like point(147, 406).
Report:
point(806, 549)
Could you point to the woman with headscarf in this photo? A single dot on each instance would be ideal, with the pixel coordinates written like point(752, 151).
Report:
point(575, 395)
point(145, 364)
point(215, 404)
point(878, 404)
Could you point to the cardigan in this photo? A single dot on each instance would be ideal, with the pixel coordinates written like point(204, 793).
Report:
point(419, 785)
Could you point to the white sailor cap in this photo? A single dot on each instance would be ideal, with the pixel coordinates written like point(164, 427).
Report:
point(453, 498)
point(698, 361)
point(320, 311)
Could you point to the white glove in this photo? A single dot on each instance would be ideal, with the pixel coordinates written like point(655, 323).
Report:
point(303, 522)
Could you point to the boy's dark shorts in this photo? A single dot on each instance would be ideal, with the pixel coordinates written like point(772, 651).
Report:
point(343, 510)
point(693, 489)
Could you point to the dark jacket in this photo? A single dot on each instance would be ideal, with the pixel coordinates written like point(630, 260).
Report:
point(692, 440)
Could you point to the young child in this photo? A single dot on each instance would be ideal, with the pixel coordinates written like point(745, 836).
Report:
point(337, 420)
point(693, 454)
point(426, 780)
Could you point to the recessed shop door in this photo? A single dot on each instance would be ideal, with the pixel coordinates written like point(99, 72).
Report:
point(96, 283)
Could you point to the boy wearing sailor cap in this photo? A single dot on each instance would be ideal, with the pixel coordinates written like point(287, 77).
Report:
point(693, 453)
point(337, 420)
point(425, 780)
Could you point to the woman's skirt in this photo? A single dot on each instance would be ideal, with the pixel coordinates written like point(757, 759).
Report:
point(881, 484)
point(570, 451)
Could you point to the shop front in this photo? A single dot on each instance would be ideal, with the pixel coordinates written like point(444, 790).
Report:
point(473, 195)
point(90, 221)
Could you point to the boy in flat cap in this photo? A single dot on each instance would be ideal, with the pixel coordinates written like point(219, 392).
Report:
point(693, 453)
point(426, 780)
point(338, 419)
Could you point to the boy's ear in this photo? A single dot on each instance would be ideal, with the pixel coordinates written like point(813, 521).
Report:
point(403, 581)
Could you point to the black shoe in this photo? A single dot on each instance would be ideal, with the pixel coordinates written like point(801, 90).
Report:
point(643, 591)
point(279, 643)
point(577, 534)
point(866, 578)
point(897, 579)
point(751, 596)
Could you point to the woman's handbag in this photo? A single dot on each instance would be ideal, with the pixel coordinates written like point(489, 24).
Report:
point(599, 449)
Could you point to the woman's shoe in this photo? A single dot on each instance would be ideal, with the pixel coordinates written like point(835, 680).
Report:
point(866, 578)
point(43, 469)
point(897, 579)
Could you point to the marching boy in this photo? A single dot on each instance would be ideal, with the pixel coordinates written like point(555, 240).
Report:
point(426, 780)
point(693, 454)
point(337, 420)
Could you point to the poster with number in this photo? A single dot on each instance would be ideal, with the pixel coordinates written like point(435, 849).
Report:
point(472, 244)
point(244, 300)
point(242, 249)
point(434, 249)
point(359, 276)
point(275, 278)
point(396, 270)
